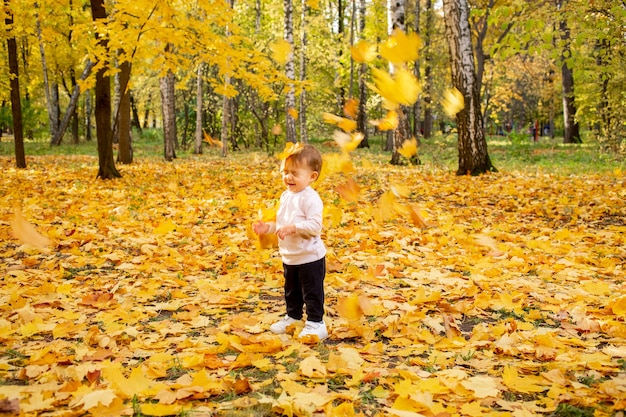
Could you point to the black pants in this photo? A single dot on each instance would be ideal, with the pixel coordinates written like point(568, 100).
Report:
point(304, 285)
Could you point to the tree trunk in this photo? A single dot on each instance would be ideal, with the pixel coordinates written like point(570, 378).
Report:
point(572, 130)
point(168, 105)
point(472, 144)
point(107, 169)
point(71, 107)
point(88, 111)
point(135, 114)
point(290, 72)
point(417, 112)
point(125, 152)
point(52, 115)
point(197, 147)
point(304, 137)
point(362, 115)
point(402, 133)
point(16, 104)
point(428, 79)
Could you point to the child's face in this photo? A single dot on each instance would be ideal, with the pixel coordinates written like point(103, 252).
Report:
point(297, 177)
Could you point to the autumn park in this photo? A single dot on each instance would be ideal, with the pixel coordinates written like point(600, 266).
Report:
point(473, 182)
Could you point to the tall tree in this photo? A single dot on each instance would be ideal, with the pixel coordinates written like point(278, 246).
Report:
point(290, 72)
point(16, 104)
point(107, 169)
point(197, 145)
point(472, 144)
point(362, 114)
point(122, 117)
point(572, 129)
point(304, 138)
point(428, 78)
point(167, 85)
point(398, 22)
point(52, 99)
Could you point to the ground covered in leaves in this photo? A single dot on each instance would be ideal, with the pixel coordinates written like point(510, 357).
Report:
point(503, 294)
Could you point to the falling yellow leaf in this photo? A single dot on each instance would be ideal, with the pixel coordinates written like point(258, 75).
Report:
point(313, 4)
point(400, 190)
point(290, 149)
point(213, 142)
point(401, 48)
point(390, 122)
point(351, 108)
point(350, 190)
point(26, 232)
point(363, 52)
point(452, 102)
point(293, 113)
point(409, 148)
point(349, 307)
point(277, 130)
point(416, 217)
point(347, 125)
point(347, 142)
point(281, 51)
point(400, 88)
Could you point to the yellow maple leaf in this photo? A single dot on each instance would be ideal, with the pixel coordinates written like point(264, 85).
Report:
point(345, 409)
point(452, 102)
point(349, 307)
point(94, 398)
point(517, 383)
point(483, 386)
point(400, 88)
point(312, 367)
point(213, 142)
point(409, 148)
point(281, 51)
point(349, 190)
point(347, 125)
point(363, 52)
point(293, 113)
point(290, 149)
point(401, 48)
point(351, 107)
point(389, 122)
point(347, 142)
point(26, 232)
point(160, 410)
point(618, 306)
point(165, 227)
point(473, 409)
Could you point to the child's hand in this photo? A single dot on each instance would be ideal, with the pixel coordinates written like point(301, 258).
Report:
point(283, 232)
point(260, 227)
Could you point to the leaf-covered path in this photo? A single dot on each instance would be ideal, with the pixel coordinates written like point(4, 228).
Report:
point(155, 298)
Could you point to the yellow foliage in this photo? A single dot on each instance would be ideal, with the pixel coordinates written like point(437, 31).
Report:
point(363, 52)
point(281, 51)
point(452, 102)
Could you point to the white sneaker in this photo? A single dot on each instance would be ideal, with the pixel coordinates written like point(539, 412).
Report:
point(280, 327)
point(312, 328)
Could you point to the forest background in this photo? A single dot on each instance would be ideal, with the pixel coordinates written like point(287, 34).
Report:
point(500, 294)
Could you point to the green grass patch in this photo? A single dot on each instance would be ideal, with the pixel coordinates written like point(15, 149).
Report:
point(515, 152)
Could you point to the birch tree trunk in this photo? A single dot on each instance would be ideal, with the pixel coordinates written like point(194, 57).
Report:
point(399, 135)
point(107, 169)
point(417, 112)
point(362, 116)
point(428, 78)
point(290, 99)
point(168, 106)
point(472, 144)
point(304, 137)
point(125, 153)
point(53, 109)
point(197, 147)
point(16, 104)
point(572, 129)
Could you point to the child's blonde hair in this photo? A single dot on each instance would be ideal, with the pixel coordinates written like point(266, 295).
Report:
point(309, 156)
